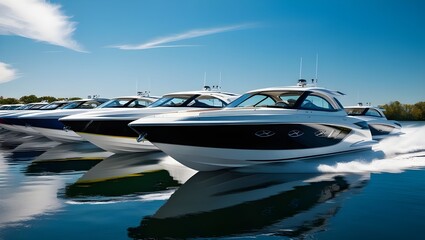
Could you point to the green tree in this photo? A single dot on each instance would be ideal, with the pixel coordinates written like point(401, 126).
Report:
point(418, 111)
point(8, 100)
point(29, 99)
point(393, 110)
point(398, 111)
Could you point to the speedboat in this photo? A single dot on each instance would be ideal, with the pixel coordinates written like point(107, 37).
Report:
point(108, 129)
point(262, 126)
point(48, 123)
point(10, 106)
point(379, 125)
point(9, 119)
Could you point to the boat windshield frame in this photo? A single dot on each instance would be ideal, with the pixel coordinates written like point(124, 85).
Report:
point(187, 100)
point(289, 99)
point(129, 102)
point(84, 104)
point(363, 111)
point(37, 106)
point(73, 104)
point(24, 107)
point(53, 105)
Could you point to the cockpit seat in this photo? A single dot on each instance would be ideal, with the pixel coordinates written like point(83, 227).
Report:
point(282, 104)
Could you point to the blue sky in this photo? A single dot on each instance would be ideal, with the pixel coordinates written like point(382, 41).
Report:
point(374, 51)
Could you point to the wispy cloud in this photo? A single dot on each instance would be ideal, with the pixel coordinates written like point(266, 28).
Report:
point(7, 73)
point(162, 41)
point(38, 20)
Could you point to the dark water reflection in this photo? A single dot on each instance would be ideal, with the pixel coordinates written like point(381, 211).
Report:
point(217, 204)
point(78, 191)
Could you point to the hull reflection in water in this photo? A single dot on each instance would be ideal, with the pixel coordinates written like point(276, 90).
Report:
point(67, 157)
point(217, 204)
point(24, 148)
point(27, 198)
point(10, 139)
point(130, 174)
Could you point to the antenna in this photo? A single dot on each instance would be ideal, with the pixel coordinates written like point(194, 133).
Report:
point(358, 96)
point(206, 88)
point(219, 82)
point(150, 85)
point(301, 66)
point(317, 64)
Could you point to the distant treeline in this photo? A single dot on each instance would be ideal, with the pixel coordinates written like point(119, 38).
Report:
point(393, 110)
point(405, 112)
point(31, 99)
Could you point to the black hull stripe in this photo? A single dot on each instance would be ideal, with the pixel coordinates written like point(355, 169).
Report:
point(110, 128)
point(255, 137)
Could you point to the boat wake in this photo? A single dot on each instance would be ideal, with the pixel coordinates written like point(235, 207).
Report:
point(410, 142)
point(399, 154)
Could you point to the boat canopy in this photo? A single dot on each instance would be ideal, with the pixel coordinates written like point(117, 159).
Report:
point(319, 99)
point(364, 111)
point(201, 99)
point(85, 103)
point(129, 102)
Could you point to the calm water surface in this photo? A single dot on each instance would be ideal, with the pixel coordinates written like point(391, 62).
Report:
point(77, 191)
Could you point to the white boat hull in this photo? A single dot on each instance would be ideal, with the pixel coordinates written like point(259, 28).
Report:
point(211, 159)
point(59, 135)
point(118, 144)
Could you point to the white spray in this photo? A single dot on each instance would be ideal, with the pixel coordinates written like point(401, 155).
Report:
point(400, 153)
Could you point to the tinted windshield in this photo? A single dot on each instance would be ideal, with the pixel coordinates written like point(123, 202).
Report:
point(206, 102)
point(291, 99)
point(126, 102)
point(363, 111)
point(82, 104)
point(52, 106)
point(118, 102)
point(314, 102)
point(267, 99)
point(196, 101)
point(139, 103)
point(171, 101)
point(37, 106)
point(90, 104)
point(373, 112)
point(72, 105)
point(24, 107)
point(354, 111)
